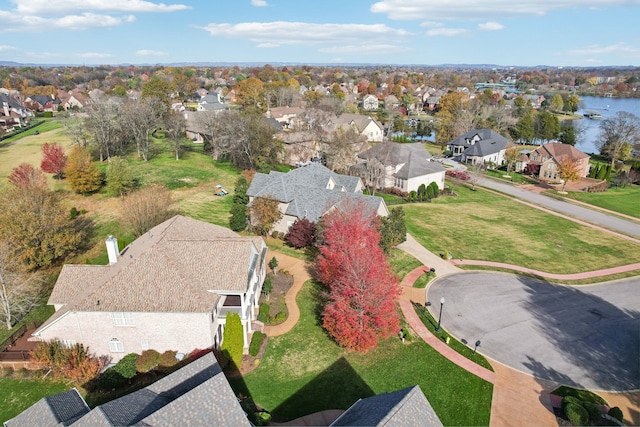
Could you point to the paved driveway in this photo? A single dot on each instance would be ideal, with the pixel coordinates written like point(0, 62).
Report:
point(585, 336)
point(630, 228)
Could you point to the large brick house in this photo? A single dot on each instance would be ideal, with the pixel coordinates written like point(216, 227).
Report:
point(543, 162)
point(170, 289)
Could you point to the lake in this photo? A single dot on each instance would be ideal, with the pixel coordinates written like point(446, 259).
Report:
point(607, 107)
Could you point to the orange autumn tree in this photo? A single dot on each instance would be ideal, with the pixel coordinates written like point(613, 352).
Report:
point(363, 293)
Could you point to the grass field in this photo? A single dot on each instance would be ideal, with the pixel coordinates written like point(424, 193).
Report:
point(16, 395)
point(485, 226)
point(304, 371)
point(625, 200)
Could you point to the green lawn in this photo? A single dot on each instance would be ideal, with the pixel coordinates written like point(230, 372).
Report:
point(485, 226)
point(16, 395)
point(45, 126)
point(402, 263)
point(304, 371)
point(625, 200)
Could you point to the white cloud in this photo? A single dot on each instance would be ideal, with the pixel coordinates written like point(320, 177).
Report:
point(491, 26)
point(30, 23)
point(5, 48)
point(59, 7)
point(148, 52)
point(447, 32)
point(94, 55)
point(259, 3)
point(329, 38)
point(431, 24)
point(478, 10)
point(618, 48)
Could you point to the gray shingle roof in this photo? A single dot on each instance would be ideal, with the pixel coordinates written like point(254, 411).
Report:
point(306, 191)
point(61, 409)
point(175, 267)
point(415, 158)
point(197, 394)
point(479, 134)
point(402, 408)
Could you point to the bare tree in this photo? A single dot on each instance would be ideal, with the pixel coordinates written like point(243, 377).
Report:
point(176, 125)
point(618, 134)
point(374, 175)
point(139, 119)
point(77, 129)
point(342, 148)
point(102, 123)
point(19, 291)
point(146, 208)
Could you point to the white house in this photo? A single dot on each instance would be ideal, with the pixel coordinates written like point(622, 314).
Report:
point(364, 125)
point(370, 102)
point(170, 289)
point(407, 166)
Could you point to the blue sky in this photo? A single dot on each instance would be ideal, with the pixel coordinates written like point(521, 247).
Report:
point(429, 32)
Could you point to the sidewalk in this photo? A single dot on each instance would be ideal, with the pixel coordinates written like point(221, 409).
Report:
point(575, 276)
point(298, 269)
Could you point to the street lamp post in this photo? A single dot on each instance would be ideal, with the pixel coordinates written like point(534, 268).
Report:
point(476, 347)
point(440, 315)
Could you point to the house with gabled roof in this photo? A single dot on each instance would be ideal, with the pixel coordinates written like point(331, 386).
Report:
point(407, 166)
point(406, 407)
point(13, 114)
point(170, 289)
point(363, 125)
point(479, 146)
point(370, 102)
point(212, 102)
point(310, 192)
point(197, 394)
point(544, 161)
point(60, 409)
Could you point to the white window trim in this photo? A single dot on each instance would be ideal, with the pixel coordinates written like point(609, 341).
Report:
point(116, 346)
point(122, 318)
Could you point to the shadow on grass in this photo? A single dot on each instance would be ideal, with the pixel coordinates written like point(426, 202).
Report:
point(335, 388)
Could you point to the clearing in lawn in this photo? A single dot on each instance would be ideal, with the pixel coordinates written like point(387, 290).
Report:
point(484, 226)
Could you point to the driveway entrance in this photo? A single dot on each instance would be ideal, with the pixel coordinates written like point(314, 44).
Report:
point(586, 336)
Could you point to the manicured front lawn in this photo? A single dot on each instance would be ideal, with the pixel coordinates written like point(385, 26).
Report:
point(485, 226)
point(402, 263)
point(16, 395)
point(625, 200)
point(304, 371)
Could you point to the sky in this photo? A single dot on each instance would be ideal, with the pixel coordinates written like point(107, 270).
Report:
point(570, 33)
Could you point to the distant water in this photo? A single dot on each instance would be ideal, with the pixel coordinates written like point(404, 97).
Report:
point(608, 107)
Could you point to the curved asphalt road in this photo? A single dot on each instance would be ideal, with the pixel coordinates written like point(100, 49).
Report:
point(585, 336)
point(595, 217)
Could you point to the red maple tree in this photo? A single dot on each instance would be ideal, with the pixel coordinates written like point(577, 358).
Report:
point(301, 233)
point(362, 290)
point(26, 176)
point(53, 159)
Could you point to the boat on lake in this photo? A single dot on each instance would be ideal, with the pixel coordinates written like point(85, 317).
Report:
point(593, 115)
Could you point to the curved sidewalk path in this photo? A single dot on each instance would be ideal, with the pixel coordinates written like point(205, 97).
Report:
point(298, 269)
point(574, 276)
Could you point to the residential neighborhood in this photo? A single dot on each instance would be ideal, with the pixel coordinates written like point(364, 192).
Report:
point(313, 245)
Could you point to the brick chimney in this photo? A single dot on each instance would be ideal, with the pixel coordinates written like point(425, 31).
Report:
point(112, 250)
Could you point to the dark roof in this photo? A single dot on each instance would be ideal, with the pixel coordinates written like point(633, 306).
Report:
point(307, 190)
point(197, 394)
point(402, 408)
point(60, 409)
point(414, 158)
point(475, 135)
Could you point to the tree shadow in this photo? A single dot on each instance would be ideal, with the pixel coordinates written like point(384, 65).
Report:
point(337, 387)
point(601, 340)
